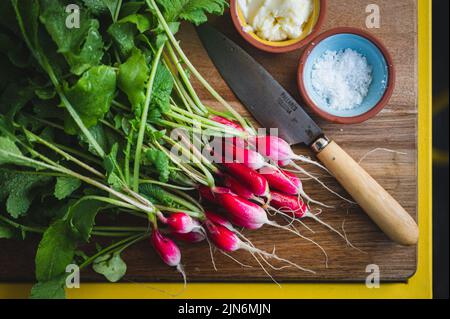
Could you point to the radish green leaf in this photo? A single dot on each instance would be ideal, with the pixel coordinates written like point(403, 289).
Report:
point(110, 266)
point(65, 186)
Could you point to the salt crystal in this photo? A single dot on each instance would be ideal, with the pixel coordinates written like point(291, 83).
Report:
point(341, 78)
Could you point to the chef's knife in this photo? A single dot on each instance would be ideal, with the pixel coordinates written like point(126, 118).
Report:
point(274, 107)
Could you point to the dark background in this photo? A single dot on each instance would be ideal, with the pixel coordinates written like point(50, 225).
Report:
point(440, 149)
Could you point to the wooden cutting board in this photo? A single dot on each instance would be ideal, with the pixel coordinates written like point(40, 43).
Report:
point(394, 128)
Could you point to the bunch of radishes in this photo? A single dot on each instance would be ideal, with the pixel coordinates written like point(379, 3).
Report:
point(245, 188)
point(249, 183)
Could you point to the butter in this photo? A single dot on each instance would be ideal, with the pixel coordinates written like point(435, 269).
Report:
point(276, 20)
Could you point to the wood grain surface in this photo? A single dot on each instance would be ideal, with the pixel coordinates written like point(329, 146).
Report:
point(394, 128)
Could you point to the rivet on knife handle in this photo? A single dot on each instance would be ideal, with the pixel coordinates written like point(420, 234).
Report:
point(381, 207)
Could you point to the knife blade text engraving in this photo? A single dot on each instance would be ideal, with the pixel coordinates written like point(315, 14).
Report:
point(286, 103)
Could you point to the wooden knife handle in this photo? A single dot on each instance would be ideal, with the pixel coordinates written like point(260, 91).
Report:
point(382, 208)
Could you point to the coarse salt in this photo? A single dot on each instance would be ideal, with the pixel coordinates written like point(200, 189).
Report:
point(341, 78)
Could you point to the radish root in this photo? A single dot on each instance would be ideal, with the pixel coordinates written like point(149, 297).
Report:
point(180, 269)
point(253, 250)
point(314, 217)
point(296, 171)
point(323, 184)
point(263, 268)
point(288, 217)
point(291, 218)
point(235, 260)
point(210, 248)
point(248, 242)
point(272, 266)
point(306, 226)
point(297, 233)
point(310, 200)
point(345, 234)
point(308, 160)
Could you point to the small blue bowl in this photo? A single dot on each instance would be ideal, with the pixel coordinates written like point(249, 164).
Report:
point(383, 75)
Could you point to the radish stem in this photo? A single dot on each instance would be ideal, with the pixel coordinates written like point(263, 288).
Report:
point(177, 47)
point(143, 121)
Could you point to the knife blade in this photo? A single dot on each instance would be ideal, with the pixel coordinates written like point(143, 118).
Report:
point(274, 107)
point(270, 104)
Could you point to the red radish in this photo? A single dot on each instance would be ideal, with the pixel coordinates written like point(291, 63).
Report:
point(239, 154)
point(247, 214)
point(294, 179)
point(255, 182)
point(237, 187)
point(277, 150)
point(227, 122)
point(241, 211)
point(194, 236)
point(281, 180)
point(222, 237)
point(289, 203)
point(272, 147)
point(233, 149)
point(166, 248)
point(217, 219)
point(207, 194)
point(286, 182)
point(181, 223)
point(283, 163)
point(243, 223)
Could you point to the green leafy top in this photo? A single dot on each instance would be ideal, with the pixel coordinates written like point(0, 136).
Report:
point(74, 109)
point(65, 186)
point(82, 45)
point(162, 89)
point(132, 77)
point(91, 96)
point(161, 162)
point(191, 10)
point(99, 7)
point(111, 266)
point(19, 189)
